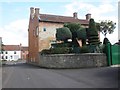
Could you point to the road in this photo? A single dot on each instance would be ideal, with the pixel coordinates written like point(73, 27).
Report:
point(22, 75)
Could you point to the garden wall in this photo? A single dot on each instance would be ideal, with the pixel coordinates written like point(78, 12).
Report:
point(73, 60)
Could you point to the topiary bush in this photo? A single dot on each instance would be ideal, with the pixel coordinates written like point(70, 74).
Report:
point(57, 50)
point(45, 51)
point(63, 34)
point(61, 45)
point(84, 49)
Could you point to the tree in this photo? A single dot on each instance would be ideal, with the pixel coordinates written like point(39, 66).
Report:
point(93, 38)
point(106, 27)
point(63, 34)
point(118, 43)
point(105, 41)
point(73, 28)
point(81, 35)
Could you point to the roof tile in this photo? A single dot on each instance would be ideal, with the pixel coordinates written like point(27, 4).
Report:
point(11, 47)
point(61, 19)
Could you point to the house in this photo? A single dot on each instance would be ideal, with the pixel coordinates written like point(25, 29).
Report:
point(24, 52)
point(11, 52)
point(42, 30)
point(14, 52)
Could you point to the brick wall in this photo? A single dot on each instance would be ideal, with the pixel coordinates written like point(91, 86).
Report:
point(33, 40)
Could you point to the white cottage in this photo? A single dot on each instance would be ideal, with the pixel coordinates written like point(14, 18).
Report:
point(11, 52)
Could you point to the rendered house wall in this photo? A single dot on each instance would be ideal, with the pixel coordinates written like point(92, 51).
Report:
point(47, 37)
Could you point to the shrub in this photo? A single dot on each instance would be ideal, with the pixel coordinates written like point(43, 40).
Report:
point(102, 48)
point(84, 49)
point(76, 50)
point(61, 45)
point(45, 51)
point(93, 33)
point(57, 50)
point(63, 34)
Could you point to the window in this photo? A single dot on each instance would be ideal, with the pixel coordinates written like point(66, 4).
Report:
point(37, 31)
point(2, 57)
point(14, 52)
point(6, 57)
point(44, 29)
point(6, 52)
point(2, 52)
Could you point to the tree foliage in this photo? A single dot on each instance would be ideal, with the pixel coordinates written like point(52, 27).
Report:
point(77, 33)
point(74, 27)
point(106, 27)
point(63, 34)
point(81, 34)
point(93, 38)
point(105, 41)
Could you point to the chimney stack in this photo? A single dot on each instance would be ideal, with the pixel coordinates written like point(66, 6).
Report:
point(31, 12)
point(37, 11)
point(88, 16)
point(75, 15)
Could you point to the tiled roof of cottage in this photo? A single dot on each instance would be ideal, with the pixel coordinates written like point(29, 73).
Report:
point(62, 19)
point(11, 47)
point(24, 48)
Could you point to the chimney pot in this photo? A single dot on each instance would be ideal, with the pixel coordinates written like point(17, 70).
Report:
point(75, 15)
point(36, 11)
point(32, 12)
point(88, 16)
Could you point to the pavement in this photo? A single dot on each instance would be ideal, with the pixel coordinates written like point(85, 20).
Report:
point(22, 75)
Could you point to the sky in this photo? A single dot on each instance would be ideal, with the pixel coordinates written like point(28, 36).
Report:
point(14, 15)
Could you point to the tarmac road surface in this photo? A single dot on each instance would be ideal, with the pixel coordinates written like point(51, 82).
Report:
point(22, 75)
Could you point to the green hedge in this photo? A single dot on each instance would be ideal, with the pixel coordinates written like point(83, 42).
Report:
point(68, 50)
point(84, 49)
point(58, 50)
point(56, 45)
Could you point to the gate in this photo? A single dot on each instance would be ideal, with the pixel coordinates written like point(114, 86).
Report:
point(113, 54)
point(115, 50)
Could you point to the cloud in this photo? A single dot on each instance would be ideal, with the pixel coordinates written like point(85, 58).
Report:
point(15, 32)
point(104, 10)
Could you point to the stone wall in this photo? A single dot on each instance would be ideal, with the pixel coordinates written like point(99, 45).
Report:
point(73, 60)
